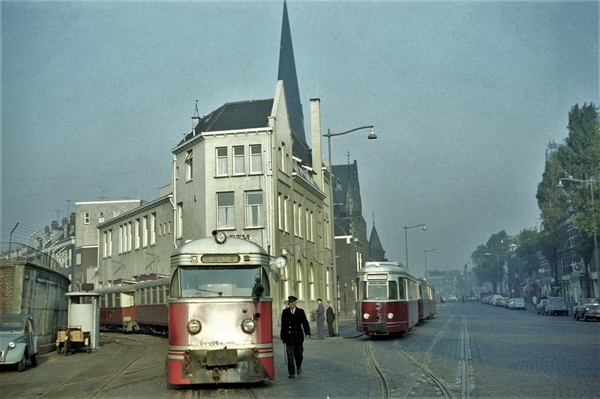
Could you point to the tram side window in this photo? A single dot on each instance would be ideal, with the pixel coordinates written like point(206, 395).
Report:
point(393, 287)
point(154, 294)
point(401, 285)
point(148, 296)
point(110, 300)
point(118, 300)
point(103, 301)
point(143, 296)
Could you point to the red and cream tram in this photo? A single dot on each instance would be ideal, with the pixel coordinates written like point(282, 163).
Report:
point(387, 299)
point(135, 307)
point(220, 313)
point(426, 300)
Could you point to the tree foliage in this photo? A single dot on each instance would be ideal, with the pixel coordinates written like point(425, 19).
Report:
point(489, 259)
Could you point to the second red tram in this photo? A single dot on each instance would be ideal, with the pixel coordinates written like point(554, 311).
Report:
point(220, 313)
point(387, 299)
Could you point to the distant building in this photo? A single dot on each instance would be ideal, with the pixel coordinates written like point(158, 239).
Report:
point(88, 215)
point(351, 244)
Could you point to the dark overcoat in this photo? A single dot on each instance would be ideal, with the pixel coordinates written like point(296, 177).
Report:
point(330, 315)
point(294, 326)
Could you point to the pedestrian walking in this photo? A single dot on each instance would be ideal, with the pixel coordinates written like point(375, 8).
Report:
point(320, 319)
point(294, 327)
point(330, 316)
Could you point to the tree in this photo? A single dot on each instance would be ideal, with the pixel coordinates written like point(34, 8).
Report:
point(527, 250)
point(553, 205)
point(580, 159)
point(489, 259)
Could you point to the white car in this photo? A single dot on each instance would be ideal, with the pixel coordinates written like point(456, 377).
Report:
point(18, 341)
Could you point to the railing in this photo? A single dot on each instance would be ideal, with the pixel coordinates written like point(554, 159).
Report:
point(19, 251)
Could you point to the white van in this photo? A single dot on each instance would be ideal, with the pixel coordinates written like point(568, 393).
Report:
point(496, 300)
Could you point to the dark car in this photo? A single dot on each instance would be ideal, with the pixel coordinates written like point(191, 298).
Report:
point(587, 308)
point(18, 342)
point(556, 306)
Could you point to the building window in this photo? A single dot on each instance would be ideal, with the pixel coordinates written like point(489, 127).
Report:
point(180, 220)
point(225, 210)
point(145, 231)
point(239, 160)
point(100, 217)
point(189, 170)
point(222, 161)
point(129, 236)
point(153, 228)
point(280, 209)
point(136, 232)
point(286, 226)
point(105, 245)
point(109, 242)
point(86, 218)
point(255, 159)
point(254, 207)
point(121, 239)
point(282, 156)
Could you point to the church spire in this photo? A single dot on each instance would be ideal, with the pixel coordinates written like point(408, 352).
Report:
point(287, 73)
point(376, 251)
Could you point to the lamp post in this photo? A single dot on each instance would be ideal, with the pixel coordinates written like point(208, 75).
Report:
point(591, 181)
point(329, 135)
point(429, 250)
point(406, 239)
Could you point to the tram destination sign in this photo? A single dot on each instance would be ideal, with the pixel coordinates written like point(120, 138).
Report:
point(220, 258)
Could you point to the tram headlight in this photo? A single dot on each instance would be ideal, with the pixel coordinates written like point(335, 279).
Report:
point(390, 316)
point(248, 326)
point(366, 316)
point(194, 327)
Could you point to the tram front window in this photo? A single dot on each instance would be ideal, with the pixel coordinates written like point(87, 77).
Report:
point(211, 282)
point(379, 290)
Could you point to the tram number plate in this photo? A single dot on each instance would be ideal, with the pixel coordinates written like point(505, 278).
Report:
point(377, 327)
point(222, 357)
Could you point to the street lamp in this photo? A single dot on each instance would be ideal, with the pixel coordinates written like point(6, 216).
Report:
point(437, 251)
point(591, 181)
point(329, 135)
point(406, 239)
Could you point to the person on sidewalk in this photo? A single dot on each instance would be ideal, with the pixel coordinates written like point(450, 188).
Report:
point(294, 327)
point(330, 316)
point(320, 319)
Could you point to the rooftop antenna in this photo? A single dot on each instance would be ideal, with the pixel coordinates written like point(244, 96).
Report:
point(196, 113)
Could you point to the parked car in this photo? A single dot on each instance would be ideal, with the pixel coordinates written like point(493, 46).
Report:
point(516, 303)
point(587, 308)
point(496, 300)
point(18, 342)
point(541, 306)
point(556, 305)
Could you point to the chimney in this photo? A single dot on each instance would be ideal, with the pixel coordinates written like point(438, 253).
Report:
point(315, 130)
point(54, 225)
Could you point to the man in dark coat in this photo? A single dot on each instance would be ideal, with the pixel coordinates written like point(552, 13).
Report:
point(330, 318)
point(294, 327)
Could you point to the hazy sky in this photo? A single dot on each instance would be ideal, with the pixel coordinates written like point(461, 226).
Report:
point(464, 97)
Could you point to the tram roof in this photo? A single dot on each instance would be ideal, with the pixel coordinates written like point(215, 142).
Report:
point(387, 267)
point(209, 245)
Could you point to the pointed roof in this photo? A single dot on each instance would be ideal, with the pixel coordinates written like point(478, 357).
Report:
point(376, 250)
point(287, 73)
point(235, 116)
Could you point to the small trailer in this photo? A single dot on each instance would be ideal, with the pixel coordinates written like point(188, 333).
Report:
point(84, 323)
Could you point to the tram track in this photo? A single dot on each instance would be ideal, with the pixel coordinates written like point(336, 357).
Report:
point(86, 376)
point(453, 330)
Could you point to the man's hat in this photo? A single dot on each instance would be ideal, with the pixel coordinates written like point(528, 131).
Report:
point(292, 298)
